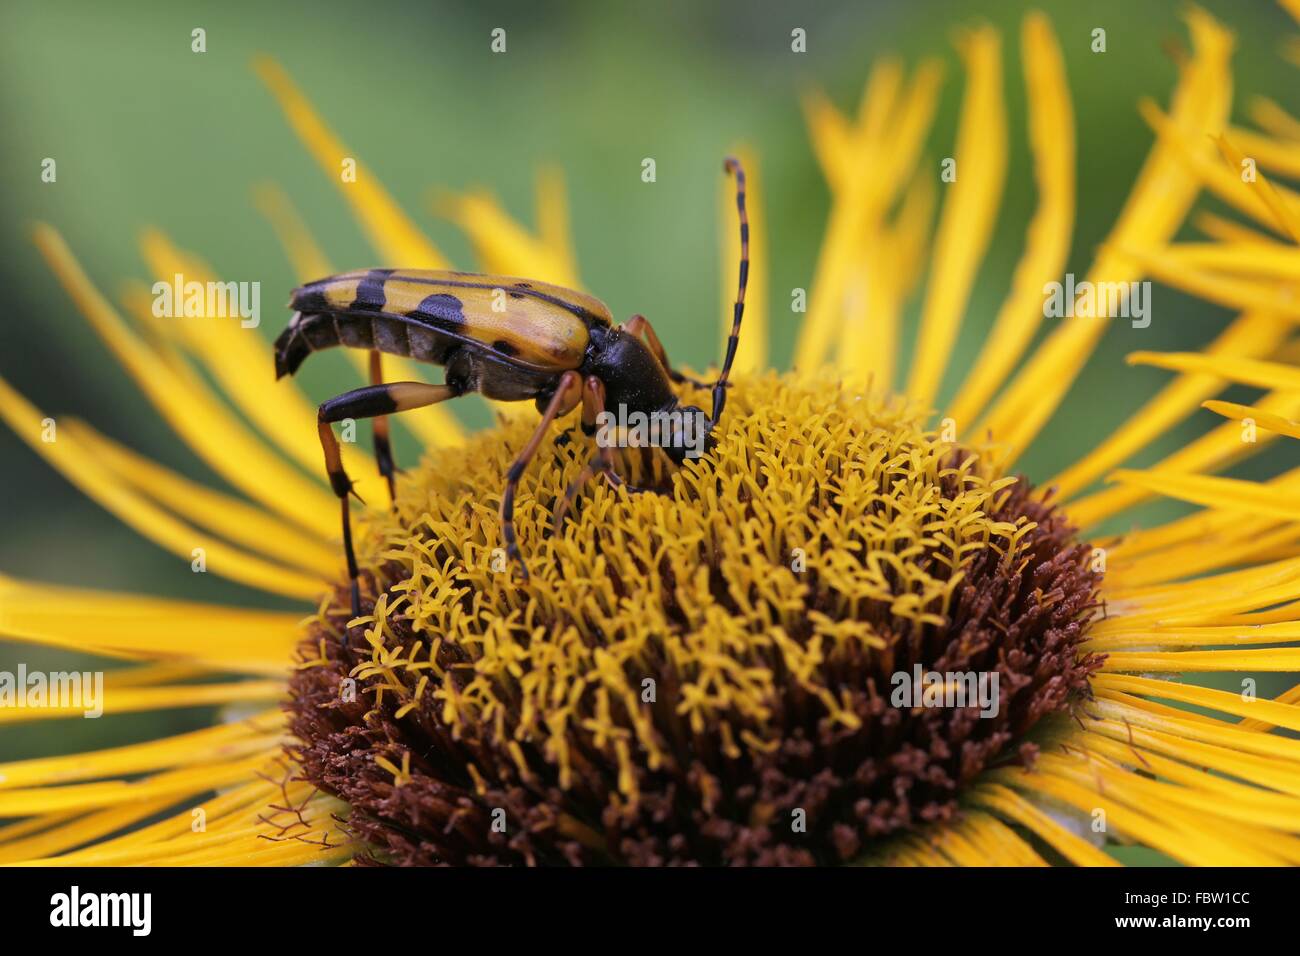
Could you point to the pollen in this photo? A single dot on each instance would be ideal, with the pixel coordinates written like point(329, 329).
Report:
point(704, 670)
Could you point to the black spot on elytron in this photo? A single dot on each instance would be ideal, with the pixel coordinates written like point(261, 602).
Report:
point(370, 291)
point(504, 347)
point(523, 285)
point(310, 298)
point(440, 309)
point(516, 295)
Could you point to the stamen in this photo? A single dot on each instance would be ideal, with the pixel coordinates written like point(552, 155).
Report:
point(811, 639)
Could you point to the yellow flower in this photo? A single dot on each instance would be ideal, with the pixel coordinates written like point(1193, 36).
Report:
point(704, 672)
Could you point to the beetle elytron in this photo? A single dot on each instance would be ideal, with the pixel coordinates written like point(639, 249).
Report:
point(553, 345)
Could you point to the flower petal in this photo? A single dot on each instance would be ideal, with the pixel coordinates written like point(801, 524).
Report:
point(79, 466)
point(127, 625)
point(124, 700)
point(1010, 805)
point(208, 745)
point(235, 355)
point(859, 201)
point(232, 518)
point(1249, 335)
point(1051, 129)
point(969, 212)
point(1230, 494)
point(1285, 212)
point(393, 235)
point(1266, 420)
point(181, 397)
point(1165, 190)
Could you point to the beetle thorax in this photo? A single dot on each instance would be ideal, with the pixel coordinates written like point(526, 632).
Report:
point(632, 375)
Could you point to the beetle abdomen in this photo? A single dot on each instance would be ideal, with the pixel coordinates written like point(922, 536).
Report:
point(313, 332)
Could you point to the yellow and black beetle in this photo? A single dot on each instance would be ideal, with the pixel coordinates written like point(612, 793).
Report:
point(550, 344)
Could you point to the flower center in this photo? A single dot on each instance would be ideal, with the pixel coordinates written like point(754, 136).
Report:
point(806, 641)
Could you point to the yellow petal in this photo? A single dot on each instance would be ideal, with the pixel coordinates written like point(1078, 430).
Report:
point(1284, 211)
point(893, 260)
point(124, 625)
point(1276, 713)
point(1219, 448)
point(1011, 805)
point(1137, 713)
point(1228, 230)
point(1274, 154)
point(207, 426)
point(1158, 823)
point(240, 360)
point(1249, 335)
point(1224, 182)
point(1160, 198)
point(1243, 370)
point(393, 235)
point(306, 257)
point(80, 467)
point(55, 832)
point(1263, 771)
point(125, 700)
point(553, 217)
point(1274, 119)
point(859, 200)
point(208, 745)
point(1260, 725)
point(831, 136)
point(232, 518)
point(503, 246)
point(1189, 662)
point(969, 212)
point(1231, 540)
point(1234, 292)
point(1051, 133)
point(1266, 420)
point(1229, 494)
point(1252, 257)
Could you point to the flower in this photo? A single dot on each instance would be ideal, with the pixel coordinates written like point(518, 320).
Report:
point(706, 671)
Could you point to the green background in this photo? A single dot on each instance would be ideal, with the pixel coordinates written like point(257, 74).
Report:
point(146, 132)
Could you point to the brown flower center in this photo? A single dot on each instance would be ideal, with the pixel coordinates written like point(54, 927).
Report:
point(782, 669)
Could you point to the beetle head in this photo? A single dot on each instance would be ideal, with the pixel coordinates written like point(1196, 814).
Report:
point(691, 434)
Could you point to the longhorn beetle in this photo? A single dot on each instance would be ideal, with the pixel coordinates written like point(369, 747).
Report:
point(550, 344)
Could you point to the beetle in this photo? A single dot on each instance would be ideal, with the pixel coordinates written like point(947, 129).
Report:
point(555, 346)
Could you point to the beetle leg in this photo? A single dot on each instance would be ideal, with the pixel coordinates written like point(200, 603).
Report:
point(640, 326)
point(567, 394)
point(366, 402)
point(593, 403)
point(383, 443)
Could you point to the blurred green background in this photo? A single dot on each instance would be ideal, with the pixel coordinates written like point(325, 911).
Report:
point(146, 132)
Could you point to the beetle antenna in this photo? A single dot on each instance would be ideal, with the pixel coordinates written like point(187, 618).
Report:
point(732, 165)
